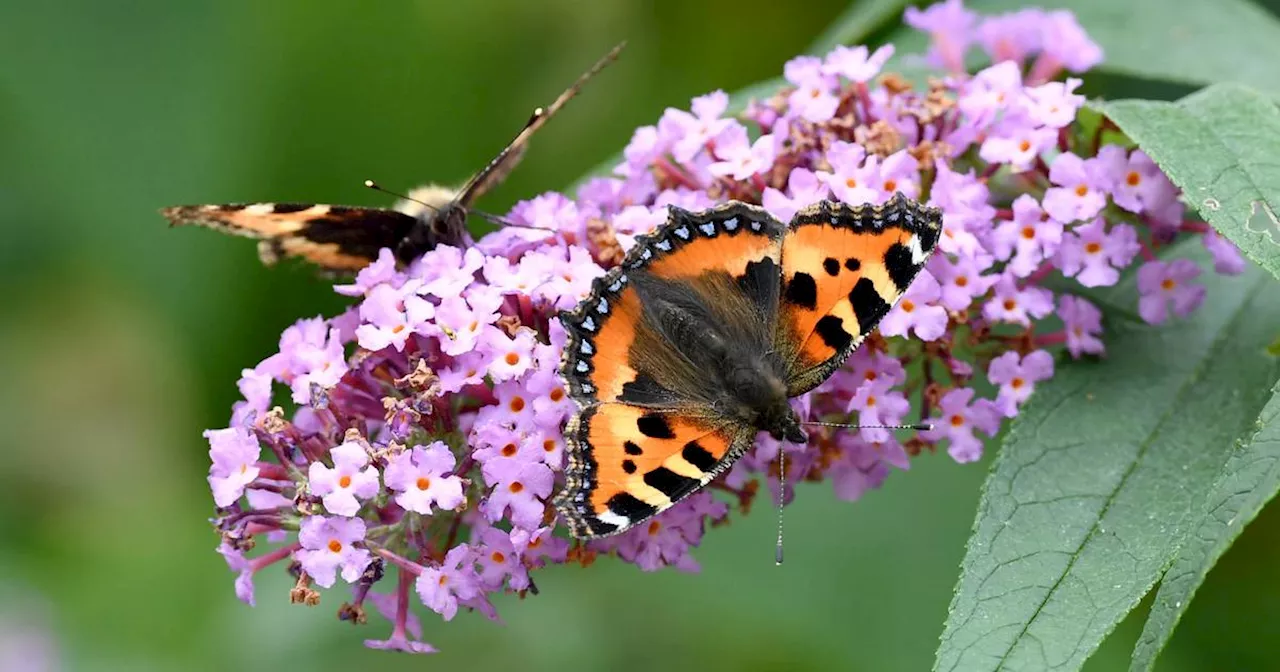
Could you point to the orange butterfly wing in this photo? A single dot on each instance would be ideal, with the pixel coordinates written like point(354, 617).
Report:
point(843, 269)
point(629, 463)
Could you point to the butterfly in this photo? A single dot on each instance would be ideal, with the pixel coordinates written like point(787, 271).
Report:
point(340, 238)
point(681, 355)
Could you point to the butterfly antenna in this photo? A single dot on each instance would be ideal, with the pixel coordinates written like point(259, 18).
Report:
point(504, 222)
point(501, 164)
point(782, 468)
point(919, 427)
point(377, 187)
point(782, 495)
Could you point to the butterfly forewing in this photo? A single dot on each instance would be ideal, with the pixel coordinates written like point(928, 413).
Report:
point(843, 268)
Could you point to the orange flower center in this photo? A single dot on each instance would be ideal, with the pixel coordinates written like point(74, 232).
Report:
point(1133, 178)
point(871, 401)
point(1024, 145)
point(851, 183)
point(397, 329)
point(344, 482)
point(549, 445)
point(1082, 191)
point(907, 305)
point(509, 450)
point(423, 482)
point(890, 185)
point(335, 546)
point(516, 488)
point(517, 404)
point(512, 359)
point(1016, 383)
point(1010, 304)
point(957, 420)
point(654, 527)
point(1029, 232)
point(1168, 284)
point(557, 394)
point(498, 557)
point(1093, 248)
point(962, 281)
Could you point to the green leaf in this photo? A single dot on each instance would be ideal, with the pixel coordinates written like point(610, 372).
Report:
point(1220, 146)
point(857, 22)
point(1193, 43)
point(1103, 474)
point(1250, 479)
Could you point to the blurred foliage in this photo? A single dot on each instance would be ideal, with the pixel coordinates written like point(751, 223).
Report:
point(120, 340)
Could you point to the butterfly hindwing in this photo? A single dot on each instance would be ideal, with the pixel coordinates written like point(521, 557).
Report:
point(629, 463)
point(639, 350)
point(843, 268)
point(334, 237)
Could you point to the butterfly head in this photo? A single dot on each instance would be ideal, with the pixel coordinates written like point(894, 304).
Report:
point(442, 220)
point(762, 400)
point(786, 427)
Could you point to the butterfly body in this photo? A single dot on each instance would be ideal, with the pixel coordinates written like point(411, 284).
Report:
point(695, 344)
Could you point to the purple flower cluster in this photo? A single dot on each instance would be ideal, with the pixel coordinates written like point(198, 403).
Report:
point(427, 438)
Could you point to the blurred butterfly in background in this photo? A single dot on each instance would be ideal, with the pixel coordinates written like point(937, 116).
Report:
point(344, 239)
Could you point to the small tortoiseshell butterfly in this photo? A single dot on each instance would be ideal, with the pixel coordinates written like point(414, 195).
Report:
point(340, 238)
point(681, 355)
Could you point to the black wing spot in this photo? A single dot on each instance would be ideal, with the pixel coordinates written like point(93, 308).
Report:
point(928, 237)
point(698, 456)
point(286, 208)
point(901, 269)
point(832, 332)
point(669, 483)
point(803, 291)
point(600, 527)
point(760, 283)
point(627, 505)
point(852, 264)
point(655, 427)
point(831, 266)
point(629, 466)
point(644, 390)
point(631, 448)
point(868, 305)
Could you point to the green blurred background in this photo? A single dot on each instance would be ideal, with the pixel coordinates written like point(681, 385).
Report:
point(120, 340)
